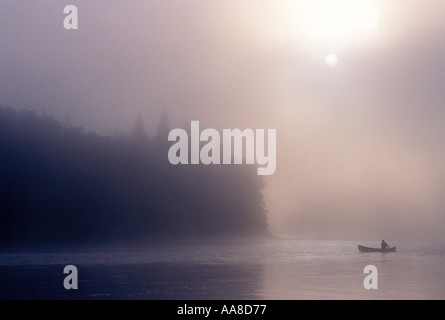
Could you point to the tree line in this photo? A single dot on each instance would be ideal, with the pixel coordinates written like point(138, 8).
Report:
point(63, 184)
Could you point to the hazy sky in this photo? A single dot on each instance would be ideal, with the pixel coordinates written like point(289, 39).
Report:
point(361, 146)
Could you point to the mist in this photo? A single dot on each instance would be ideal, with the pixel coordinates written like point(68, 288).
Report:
point(359, 147)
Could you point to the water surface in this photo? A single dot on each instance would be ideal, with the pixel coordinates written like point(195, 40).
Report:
point(266, 269)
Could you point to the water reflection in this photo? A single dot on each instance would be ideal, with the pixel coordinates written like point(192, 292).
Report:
point(268, 270)
point(155, 281)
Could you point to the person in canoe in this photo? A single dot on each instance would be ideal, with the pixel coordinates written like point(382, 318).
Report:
point(384, 245)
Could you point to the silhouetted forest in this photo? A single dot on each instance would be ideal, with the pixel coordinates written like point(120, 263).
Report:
point(62, 184)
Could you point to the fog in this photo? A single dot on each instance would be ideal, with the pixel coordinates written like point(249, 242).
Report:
point(360, 147)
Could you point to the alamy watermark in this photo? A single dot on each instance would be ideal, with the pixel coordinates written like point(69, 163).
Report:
point(71, 280)
point(190, 150)
point(70, 22)
point(371, 280)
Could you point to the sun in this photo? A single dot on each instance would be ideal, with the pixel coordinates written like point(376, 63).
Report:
point(331, 60)
point(337, 22)
point(320, 27)
point(336, 25)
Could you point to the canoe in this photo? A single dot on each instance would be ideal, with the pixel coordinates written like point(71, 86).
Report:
point(367, 249)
